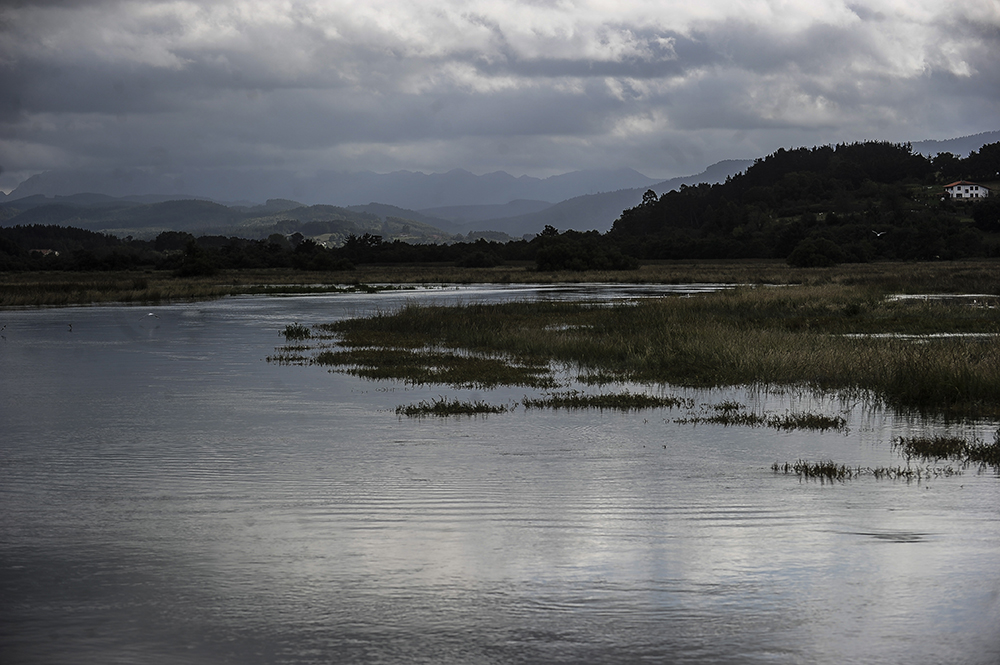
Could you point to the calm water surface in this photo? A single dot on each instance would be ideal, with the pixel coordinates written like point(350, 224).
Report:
point(168, 496)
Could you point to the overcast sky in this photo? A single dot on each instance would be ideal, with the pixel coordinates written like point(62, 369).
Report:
point(536, 87)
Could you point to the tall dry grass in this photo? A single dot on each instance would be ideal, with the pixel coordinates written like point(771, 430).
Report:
point(751, 336)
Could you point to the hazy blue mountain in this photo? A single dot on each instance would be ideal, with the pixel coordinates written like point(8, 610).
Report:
point(404, 189)
point(122, 217)
point(960, 147)
point(597, 212)
point(384, 211)
point(475, 213)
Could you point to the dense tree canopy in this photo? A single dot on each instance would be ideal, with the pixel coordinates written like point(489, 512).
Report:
point(869, 200)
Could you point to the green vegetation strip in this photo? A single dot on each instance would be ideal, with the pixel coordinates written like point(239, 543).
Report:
point(766, 337)
point(425, 367)
point(925, 448)
point(951, 447)
point(730, 413)
point(625, 401)
point(789, 421)
point(444, 407)
point(831, 471)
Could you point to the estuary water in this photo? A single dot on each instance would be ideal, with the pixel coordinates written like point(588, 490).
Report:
point(169, 496)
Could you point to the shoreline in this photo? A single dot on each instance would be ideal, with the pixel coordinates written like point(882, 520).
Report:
point(56, 289)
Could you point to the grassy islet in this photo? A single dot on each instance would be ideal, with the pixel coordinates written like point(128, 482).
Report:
point(828, 338)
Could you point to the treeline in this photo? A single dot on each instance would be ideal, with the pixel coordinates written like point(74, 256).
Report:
point(48, 247)
point(813, 207)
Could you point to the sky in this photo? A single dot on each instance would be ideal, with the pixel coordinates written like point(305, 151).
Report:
point(530, 87)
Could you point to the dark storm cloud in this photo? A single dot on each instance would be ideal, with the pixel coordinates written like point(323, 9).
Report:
point(541, 86)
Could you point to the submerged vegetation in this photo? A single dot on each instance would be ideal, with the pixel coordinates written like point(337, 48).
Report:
point(829, 470)
point(422, 367)
point(926, 449)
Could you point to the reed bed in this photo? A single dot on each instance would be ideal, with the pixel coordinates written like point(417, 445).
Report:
point(827, 338)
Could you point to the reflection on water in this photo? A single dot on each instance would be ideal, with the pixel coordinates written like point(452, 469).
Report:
point(169, 497)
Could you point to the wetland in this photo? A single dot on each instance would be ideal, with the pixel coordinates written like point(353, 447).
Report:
point(508, 473)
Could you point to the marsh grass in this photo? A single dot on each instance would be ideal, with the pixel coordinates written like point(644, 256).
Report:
point(830, 471)
point(786, 422)
point(296, 331)
point(951, 447)
point(623, 401)
point(758, 337)
point(443, 407)
point(423, 367)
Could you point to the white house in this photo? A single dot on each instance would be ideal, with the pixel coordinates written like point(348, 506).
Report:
point(966, 190)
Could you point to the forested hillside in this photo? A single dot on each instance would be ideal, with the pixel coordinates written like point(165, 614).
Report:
point(854, 202)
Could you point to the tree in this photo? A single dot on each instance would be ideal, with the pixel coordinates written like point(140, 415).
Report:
point(986, 214)
point(816, 253)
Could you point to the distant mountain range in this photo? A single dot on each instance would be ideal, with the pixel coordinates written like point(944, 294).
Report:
point(147, 215)
point(123, 218)
point(406, 205)
point(404, 189)
point(960, 147)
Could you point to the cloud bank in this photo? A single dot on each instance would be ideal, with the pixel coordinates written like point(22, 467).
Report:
point(534, 87)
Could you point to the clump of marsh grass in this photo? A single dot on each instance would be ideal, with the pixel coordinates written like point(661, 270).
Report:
point(289, 355)
point(825, 470)
point(426, 366)
point(296, 331)
point(444, 407)
point(931, 447)
point(731, 413)
point(624, 401)
point(830, 471)
point(951, 447)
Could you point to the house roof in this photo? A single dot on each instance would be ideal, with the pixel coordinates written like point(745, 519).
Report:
point(965, 182)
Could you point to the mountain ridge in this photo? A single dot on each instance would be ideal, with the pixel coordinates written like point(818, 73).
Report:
point(405, 189)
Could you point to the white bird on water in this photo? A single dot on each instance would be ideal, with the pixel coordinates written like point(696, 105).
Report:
point(146, 318)
point(878, 234)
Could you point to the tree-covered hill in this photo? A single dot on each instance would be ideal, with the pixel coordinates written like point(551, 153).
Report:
point(852, 202)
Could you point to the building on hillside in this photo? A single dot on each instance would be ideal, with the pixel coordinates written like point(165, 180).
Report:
point(966, 190)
